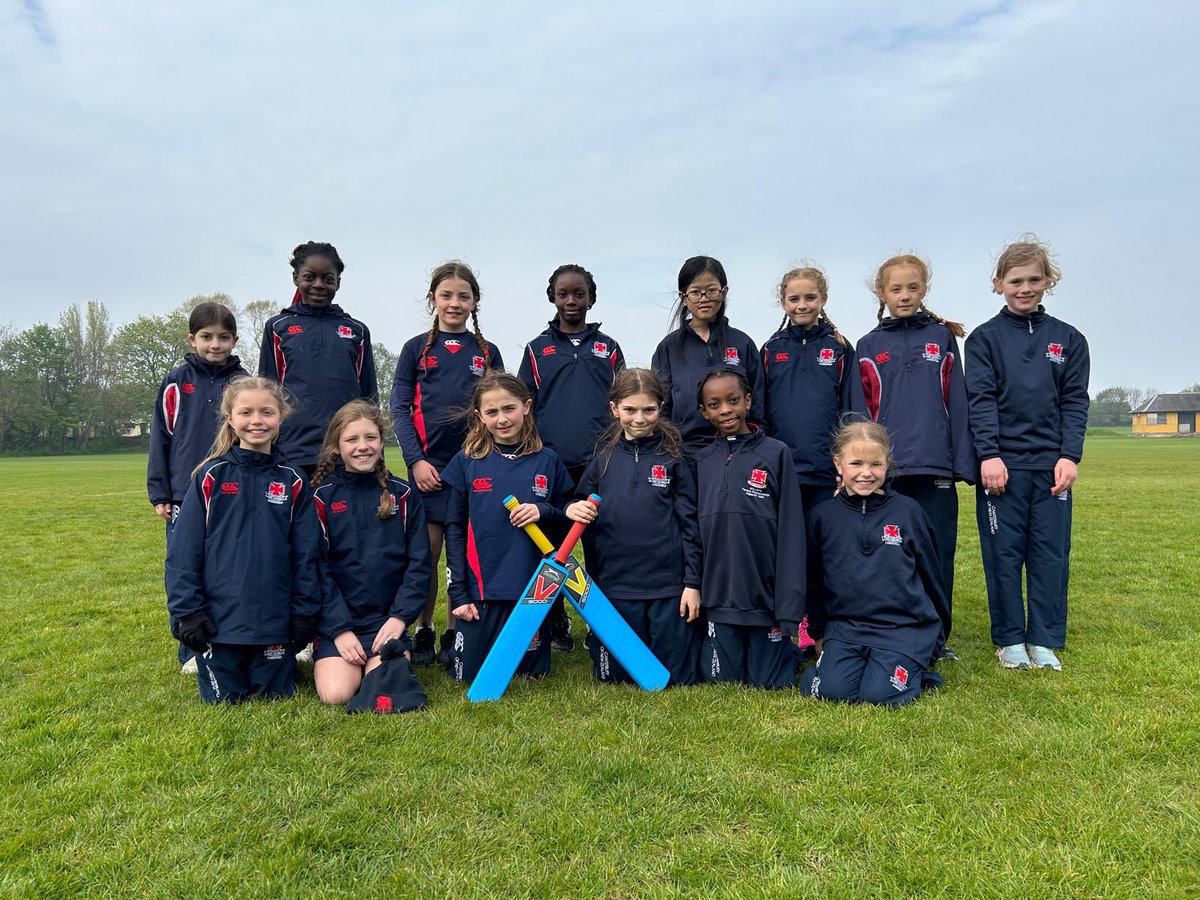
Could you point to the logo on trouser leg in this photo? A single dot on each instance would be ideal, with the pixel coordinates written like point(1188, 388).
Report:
point(458, 641)
point(273, 651)
point(993, 519)
point(899, 678)
point(605, 664)
point(815, 690)
point(212, 676)
point(775, 635)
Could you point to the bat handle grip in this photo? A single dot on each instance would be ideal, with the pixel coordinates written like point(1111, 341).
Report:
point(573, 535)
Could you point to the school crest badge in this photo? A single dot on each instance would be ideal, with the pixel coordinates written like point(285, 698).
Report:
point(826, 357)
point(891, 535)
point(541, 485)
point(659, 477)
point(277, 492)
point(899, 678)
point(345, 331)
point(731, 357)
point(758, 478)
point(1054, 353)
point(600, 349)
point(476, 365)
point(933, 352)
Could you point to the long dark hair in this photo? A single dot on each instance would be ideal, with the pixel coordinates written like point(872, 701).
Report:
point(627, 383)
point(692, 269)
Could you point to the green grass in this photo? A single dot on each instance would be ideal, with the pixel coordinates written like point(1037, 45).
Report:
point(117, 780)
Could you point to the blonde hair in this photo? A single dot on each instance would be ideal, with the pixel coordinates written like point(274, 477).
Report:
point(863, 432)
point(479, 442)
point(1028, 249)
point(926, 270)
point(226, 437)
point(813, 273)
point(331, 455)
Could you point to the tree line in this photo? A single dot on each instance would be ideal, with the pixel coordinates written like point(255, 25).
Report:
point(85, 384)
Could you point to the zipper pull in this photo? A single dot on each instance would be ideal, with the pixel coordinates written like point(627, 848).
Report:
point(864, 506)
point(1029, 322)
point(636, 453)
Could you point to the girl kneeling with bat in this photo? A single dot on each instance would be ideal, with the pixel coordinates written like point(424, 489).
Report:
point(649, 513)
point(488, 558)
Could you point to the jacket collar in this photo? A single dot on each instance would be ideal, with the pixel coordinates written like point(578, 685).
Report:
point(589, 329)
point(874, 501)
point(1035, 318)
point(810, 334)
point(203, 365)
point(918, 319)
point(253, 458)
point(303, 309)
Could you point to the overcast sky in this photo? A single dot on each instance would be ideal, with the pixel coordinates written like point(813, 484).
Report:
point(153, 151)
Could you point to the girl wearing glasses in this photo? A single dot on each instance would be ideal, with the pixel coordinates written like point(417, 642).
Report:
point(703, 340)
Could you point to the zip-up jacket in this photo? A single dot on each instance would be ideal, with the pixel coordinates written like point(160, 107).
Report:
point(186, 419)
point(752, 531)
point(682, 368)
point(912, 385)
point(245, 549)
point(874, 576)
point(488, 560)
point(1027, 379)
point(323, 358)
point(810, 381)
point(645, 543)
point(371, 568)
point(569, 376)
point(429, 391)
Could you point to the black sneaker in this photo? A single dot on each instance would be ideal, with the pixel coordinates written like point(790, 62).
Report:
point(947, 654)
point(422, 648)
point(560, 635)
point(443, 657)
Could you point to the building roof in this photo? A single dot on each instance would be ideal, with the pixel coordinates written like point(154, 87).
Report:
point(1188, 401)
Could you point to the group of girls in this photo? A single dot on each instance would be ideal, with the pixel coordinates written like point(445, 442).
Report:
point(707, 465)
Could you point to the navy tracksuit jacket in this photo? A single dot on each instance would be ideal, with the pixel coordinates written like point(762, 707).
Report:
point(1027, 379)
point(245, 549)
point(187, 417)
point(430, 388)
point(323, 358)
point(912, 385)
point(811, 380)
point(569, 376)
point(874, 576)
point(372, 568)
point(489, 560)
point(682, 367)
point(752, 531)
point(645, 544)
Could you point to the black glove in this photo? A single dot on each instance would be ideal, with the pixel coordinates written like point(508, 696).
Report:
point(195, 631)
point(301, 631)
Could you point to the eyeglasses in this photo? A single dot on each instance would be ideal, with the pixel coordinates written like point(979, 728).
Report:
point(713, 293)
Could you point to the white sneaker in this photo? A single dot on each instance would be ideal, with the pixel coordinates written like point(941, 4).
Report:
point(1043, 657)
point(1013, 657)
point(305, 657)
point(189, 667)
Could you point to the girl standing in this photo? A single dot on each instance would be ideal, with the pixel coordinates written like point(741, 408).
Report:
point(242, 583)
point(1027, 379)
point(569, 369)
point(752, 532)
point(318, 352)
point(376, 562)
point(703, 340)
point(912, 385)
point(650, 513)
point(488, 559)
point(435, 376)
point(875, 597)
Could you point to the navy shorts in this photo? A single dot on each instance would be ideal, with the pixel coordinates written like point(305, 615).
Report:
point(473, 640)
point(325, 648)
point(673, 640)
point(856, 673)
point(435, 505)
point(757, 655)
point(231, 673)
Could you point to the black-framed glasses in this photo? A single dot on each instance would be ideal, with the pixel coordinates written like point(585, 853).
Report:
point(713, 293)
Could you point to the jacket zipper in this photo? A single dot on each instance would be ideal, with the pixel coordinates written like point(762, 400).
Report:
point(862, 537)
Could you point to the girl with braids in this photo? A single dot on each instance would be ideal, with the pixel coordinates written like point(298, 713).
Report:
point(649, 514)
point(875, 596)
point(317, 352)
point(375, 566)
point(435, 376)
point(912, 384)
point(703, 339)
point(242, 572)
point(810, 373)
point(569, 369)
point(487, 557)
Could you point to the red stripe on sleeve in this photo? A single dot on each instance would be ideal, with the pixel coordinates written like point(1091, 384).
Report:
point(280, 358)
point(947, 368)
point(418, 416)
point(362, 349)
point(473, 560)
point(537, 376)
point(171, 406)
point(872, 386)
point(321, 515)
point(206, 489)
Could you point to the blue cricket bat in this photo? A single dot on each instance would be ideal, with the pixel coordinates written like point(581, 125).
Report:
point(602, 617)
point(527, 616)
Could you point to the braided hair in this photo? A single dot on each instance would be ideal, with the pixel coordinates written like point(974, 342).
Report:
point(456, 268)
point(314, 248)
point(909, 259)
point(814, 274)
point(331, 457)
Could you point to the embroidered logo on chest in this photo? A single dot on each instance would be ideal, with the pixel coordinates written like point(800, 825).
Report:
point(882, 357)
point(476, 365)
point(339, 506)
point(933, 352)
point(1054, 353)
point(758, 478)
point(891, 535)
point(600, 349)
point(826, 357)
point(659, 477)
point(229, 487)
point(541, 485)
point(277, 492)
point(452, 344)
point(295, 329)
point(481, 485)
point(731, 356)
point(188, 388)
point(345, 331)
point(782, 356)
point(549, 350)
point(428, 361)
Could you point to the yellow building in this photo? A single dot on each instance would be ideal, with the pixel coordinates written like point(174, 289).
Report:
point(1167, 414)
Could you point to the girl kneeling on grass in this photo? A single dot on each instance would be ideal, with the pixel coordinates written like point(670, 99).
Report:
point(752, 531)
point(876, 599)
point(649, 513)
point(488, 558)
point(242, 583)
point(376, 565)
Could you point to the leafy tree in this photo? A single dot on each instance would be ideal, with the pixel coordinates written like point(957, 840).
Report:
point(1110, 407)
point(37, 363)
point(385, 370)
point(88, 334)
point(251, 320)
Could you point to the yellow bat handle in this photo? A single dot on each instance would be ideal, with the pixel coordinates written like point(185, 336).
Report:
point(539, 538)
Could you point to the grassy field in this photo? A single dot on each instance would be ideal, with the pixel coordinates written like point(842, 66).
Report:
point(118, 781)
